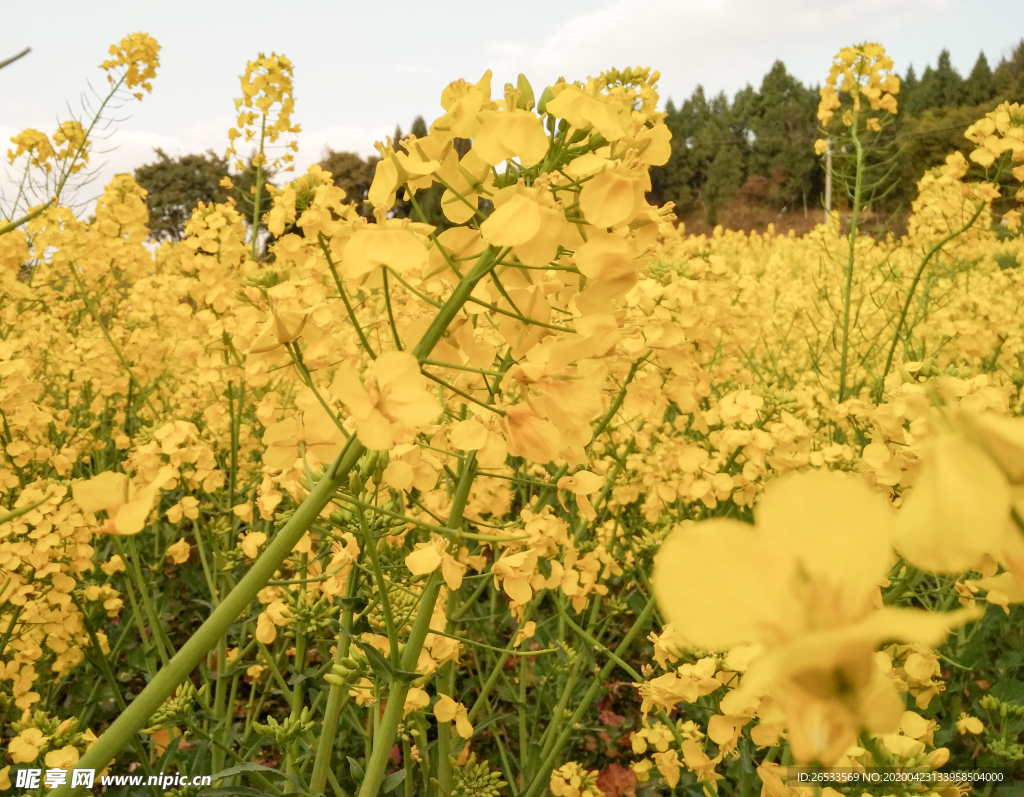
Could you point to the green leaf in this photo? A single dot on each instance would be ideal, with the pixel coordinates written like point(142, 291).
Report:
point(380, 665)
point(392, 781)
point(248, 766)
point(356, 769)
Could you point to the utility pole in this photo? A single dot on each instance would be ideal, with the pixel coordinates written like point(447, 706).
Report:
point(828, 181)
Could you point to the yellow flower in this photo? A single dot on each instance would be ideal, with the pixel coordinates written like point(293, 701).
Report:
point(463, 102)
point(65, 758)
point(251, 542)
point(572, 780)
point(396, 243)
point(614, 196)
point(581, 484)
point(531, 437)
point(426, 557)
point(530, 221)
point(139, 53)
point(25, 746)
point(179, 552)
point(607, 262)
point(969, 724)
point(803, 583)
point(126, 505)
point(513, 571)
point(276, 614)
point(688, 683)
point(958, 510)
point(508, 134)
point(36, 145)
point(312, 429)
point(415, 699)
point(113, 565)
point(585, 110)
point(642, 769)
point(446, 710)
point(668, 765)
point(393, 396)
point(469, 435)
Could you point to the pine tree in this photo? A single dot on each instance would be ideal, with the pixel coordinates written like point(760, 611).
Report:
point(722, 162)
point(908, 88)
point(980, 86)
point(781, 122)
point(419, 128)
point(1009, 75)
point(939, 87)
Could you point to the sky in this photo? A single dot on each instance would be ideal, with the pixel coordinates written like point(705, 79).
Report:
point(361, 68)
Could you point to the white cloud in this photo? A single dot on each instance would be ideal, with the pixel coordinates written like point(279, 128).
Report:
point(722, 44)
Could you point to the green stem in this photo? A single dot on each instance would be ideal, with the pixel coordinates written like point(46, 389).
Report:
point(257, 196)
point(335, 698)
point(848, 289)
point(25, 219)
point(236, 602)
point(913, 287)
point(106, 333)
point(384, 735)
point(540, 779)
point(223, 617)
point(163, 642)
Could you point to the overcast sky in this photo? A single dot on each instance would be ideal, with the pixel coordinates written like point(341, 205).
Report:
point(361, 68)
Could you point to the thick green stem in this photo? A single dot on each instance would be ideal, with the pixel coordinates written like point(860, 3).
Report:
point(223, 617)
point(384, 735)
point(257, 197)
point(484, 265)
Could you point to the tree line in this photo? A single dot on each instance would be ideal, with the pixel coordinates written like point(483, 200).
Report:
point(755, 150)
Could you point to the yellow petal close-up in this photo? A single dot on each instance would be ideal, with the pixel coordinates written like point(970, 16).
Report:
point(721, 584)
point(957, 510)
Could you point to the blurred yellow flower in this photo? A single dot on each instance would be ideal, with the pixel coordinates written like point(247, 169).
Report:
point(803, 582)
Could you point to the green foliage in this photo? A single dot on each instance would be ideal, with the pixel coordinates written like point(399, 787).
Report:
point(757, 149)
point(175, 186)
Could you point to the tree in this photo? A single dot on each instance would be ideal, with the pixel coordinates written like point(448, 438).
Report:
point(924, 142)
point(721, 149)
point(908, 88)
point(419, 128)
point(782, 122)
point(682, 179)
point(1009, 75)
point(176, 186)
point(980, 85)
point(941, 86)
